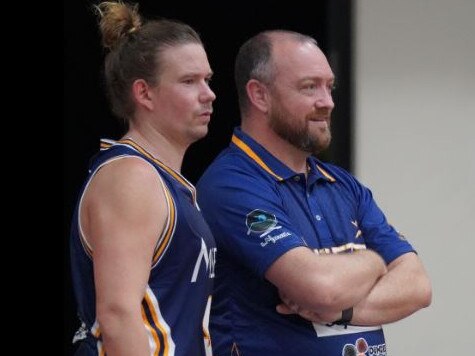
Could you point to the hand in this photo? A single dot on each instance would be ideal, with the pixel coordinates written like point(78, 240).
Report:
point(288, 307)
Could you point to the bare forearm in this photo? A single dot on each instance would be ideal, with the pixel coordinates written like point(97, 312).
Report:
point(352, 277)
point(330, 282)
point(401, 292)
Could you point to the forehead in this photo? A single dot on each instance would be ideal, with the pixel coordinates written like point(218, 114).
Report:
point(185, 58)
point(301, 60)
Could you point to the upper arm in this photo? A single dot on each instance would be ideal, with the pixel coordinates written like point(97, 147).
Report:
point(123, 213)
point(247, 217)
point(377, 233)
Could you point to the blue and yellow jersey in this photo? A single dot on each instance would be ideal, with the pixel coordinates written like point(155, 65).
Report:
point(258, 209)
point(176, 304)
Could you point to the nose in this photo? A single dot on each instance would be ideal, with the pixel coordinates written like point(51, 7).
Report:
point(325, 99)
point(207, 94)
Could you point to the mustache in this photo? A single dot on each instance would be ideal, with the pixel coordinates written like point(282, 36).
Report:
point(319, 114)
point(205, 109)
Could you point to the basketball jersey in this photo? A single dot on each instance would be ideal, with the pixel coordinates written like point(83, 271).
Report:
point(175, 307)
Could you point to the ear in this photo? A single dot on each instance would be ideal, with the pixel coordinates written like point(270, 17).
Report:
point(141, 93)
point(258, 95)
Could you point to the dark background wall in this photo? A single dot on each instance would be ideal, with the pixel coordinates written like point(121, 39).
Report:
point(224, 26)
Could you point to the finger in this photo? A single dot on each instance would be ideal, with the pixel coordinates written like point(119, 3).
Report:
point(284, 309)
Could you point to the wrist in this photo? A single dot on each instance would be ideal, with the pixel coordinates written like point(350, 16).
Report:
point(346, 316)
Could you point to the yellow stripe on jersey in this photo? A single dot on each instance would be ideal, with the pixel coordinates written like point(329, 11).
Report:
point(155, 345)
point(168, 230)
point(155, 323)
point(248, 150)
point(101, 349)
point(170, 171)
point(96, 332)
point(206, 335)
point(105, 145)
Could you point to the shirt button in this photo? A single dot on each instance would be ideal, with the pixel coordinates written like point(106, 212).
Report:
point(318, 217)
point(297, 178)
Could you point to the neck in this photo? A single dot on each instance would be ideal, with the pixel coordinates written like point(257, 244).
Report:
point(284, 151)
point(158, 146)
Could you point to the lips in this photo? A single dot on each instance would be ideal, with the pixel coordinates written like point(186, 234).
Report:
point(319, 122)
point(326, 119)
point(206, 112)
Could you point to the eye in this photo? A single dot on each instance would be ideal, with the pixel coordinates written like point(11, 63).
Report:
point(188, 81)
point(309, 88)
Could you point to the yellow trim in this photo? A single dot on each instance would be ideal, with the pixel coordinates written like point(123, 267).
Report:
point(174, 174)
point(157, 324)
point(104, 145)
point(152, 330)
point(168, 231)
point(328, 176)
point(248, 150)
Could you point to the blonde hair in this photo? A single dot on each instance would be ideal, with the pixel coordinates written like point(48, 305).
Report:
point(134, 50)
point(117, 21)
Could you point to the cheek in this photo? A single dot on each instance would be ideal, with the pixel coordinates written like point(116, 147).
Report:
point(183, 99)
point(176, 102)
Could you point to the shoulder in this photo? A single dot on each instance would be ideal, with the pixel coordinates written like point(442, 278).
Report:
point(233, 182)
point(125, 180)
point(232, 167)
point(128, 169)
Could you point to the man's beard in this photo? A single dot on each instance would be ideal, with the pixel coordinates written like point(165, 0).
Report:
point(297, 133)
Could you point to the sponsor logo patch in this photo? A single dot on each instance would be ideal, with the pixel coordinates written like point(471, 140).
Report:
point(263, 223)
point(260, 221)
point(361, 348)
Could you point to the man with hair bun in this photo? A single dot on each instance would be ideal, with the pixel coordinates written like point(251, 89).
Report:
point(142, 256)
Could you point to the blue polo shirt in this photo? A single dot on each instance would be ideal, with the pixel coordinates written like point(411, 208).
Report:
point(258, 209)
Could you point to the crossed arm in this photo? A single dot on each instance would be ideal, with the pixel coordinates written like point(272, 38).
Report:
point(325, 283)
point(403, 290)
point(399, 293)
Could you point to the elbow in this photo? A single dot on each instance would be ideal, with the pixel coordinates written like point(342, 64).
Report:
point(426, 294)
point(422, 292)
point(111, 317)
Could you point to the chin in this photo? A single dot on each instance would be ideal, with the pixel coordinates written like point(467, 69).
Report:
point(199, 133)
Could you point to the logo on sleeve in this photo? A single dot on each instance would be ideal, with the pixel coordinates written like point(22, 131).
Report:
point(260, 221)
point(263, 223)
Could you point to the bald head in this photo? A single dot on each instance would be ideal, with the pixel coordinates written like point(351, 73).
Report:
point(256, 59)
point(285, 87)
